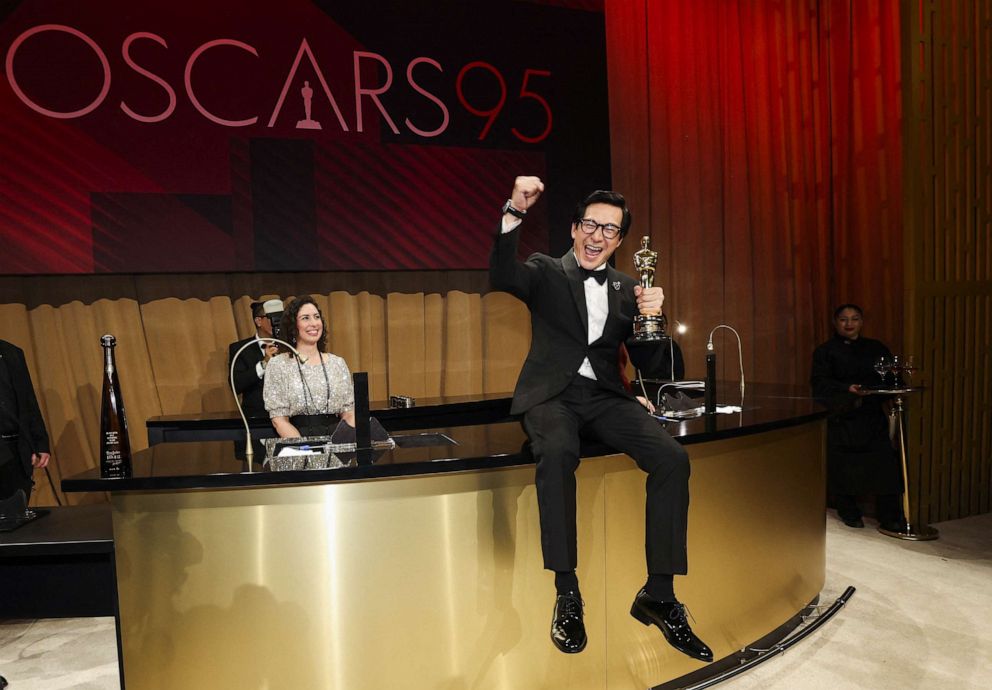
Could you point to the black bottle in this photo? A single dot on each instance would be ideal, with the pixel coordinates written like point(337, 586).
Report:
point(115, 446)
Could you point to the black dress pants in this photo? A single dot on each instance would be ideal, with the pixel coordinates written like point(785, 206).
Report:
point(585, 408)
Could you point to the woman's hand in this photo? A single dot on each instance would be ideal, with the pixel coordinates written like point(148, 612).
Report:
point(349, 418)
point(647, 403)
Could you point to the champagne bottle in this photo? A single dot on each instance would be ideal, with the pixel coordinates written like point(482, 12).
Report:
point(115, 446)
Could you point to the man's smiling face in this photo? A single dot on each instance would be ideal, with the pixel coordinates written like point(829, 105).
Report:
point(593, 250)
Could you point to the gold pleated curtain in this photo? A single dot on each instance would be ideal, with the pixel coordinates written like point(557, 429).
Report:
point(172, 357)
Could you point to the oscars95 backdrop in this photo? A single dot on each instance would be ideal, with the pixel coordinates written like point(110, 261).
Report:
point(294, 135)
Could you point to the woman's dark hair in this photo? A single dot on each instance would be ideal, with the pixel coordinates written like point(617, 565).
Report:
point(288, 323)
point(842, 307)
point(601, 196)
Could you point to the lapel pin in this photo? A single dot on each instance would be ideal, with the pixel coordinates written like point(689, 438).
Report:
point(616, 284)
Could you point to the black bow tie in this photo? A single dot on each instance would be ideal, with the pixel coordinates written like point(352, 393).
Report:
point(599, 276)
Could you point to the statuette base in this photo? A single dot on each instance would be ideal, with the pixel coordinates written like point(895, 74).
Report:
point(649, 328)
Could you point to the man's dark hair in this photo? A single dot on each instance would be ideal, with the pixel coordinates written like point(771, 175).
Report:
point(602, 196)
point(855, 307)
point(288, 323)
point(257, 309)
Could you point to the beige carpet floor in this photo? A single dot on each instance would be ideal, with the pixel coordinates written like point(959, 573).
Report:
point(921, 616)
point(921, 619)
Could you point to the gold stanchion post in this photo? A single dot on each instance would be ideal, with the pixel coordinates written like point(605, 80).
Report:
point(910, 532)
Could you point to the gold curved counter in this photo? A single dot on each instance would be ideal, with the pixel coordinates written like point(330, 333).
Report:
point(436, 580)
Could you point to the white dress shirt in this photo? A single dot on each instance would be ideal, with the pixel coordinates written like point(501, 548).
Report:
point(260, 366)
point(598, 308)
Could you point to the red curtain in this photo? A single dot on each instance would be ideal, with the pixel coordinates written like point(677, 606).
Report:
point(759, 144)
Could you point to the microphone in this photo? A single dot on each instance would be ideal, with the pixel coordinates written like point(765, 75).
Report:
point(709, 394)
point(249, 451)
point(273, 312)
point(712, 354)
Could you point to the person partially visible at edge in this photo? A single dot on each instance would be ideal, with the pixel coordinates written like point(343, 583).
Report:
point(582, 311)
point(861, 459)
point(23, 438)
point(249, 370)
point(304, 393)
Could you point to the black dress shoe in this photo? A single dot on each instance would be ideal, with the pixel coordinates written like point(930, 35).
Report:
point(568, 632)
point(669, 616)
point(853, 522)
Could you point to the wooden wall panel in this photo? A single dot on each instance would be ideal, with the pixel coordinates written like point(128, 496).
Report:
point(186, 342)
point(463, 355)
point(373, 356)
point(406, 347)
point(506, 334)
point(948, 253)
point(435, 334)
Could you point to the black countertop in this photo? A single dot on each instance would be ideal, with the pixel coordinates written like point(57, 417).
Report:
point(213, 465)
point(61, 531)
point(488, 403)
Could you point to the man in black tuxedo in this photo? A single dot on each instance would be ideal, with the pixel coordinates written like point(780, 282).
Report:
point(23, 439)
point(249, 370)
point(582, 311)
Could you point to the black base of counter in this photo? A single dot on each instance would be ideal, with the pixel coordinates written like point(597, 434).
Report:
point(60, 565)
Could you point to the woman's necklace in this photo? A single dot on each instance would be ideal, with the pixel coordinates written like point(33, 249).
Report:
point(308, 396)
point(303, 358)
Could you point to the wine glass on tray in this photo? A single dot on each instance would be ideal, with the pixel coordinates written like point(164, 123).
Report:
point(908, 367)
point(895, 371)
point(881, 366)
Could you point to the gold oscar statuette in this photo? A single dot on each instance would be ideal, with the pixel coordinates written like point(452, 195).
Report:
point(647, 327)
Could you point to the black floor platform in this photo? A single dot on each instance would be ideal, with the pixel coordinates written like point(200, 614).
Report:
point(60, 565)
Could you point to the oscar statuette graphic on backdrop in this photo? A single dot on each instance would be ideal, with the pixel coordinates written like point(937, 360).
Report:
point(115, 446)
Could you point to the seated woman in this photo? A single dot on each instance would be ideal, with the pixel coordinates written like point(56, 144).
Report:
point(860, 456)
point(301, 393)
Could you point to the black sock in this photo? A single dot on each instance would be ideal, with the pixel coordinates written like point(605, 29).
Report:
point(566, 581)
point(660, 587)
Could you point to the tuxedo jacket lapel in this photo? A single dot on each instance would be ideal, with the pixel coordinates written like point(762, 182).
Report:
point(577, 287)
point(613, 296)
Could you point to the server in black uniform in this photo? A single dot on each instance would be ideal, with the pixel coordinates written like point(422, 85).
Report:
point(860, 457)
point(582, 310)
point(249, 370)
point(23, 439)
